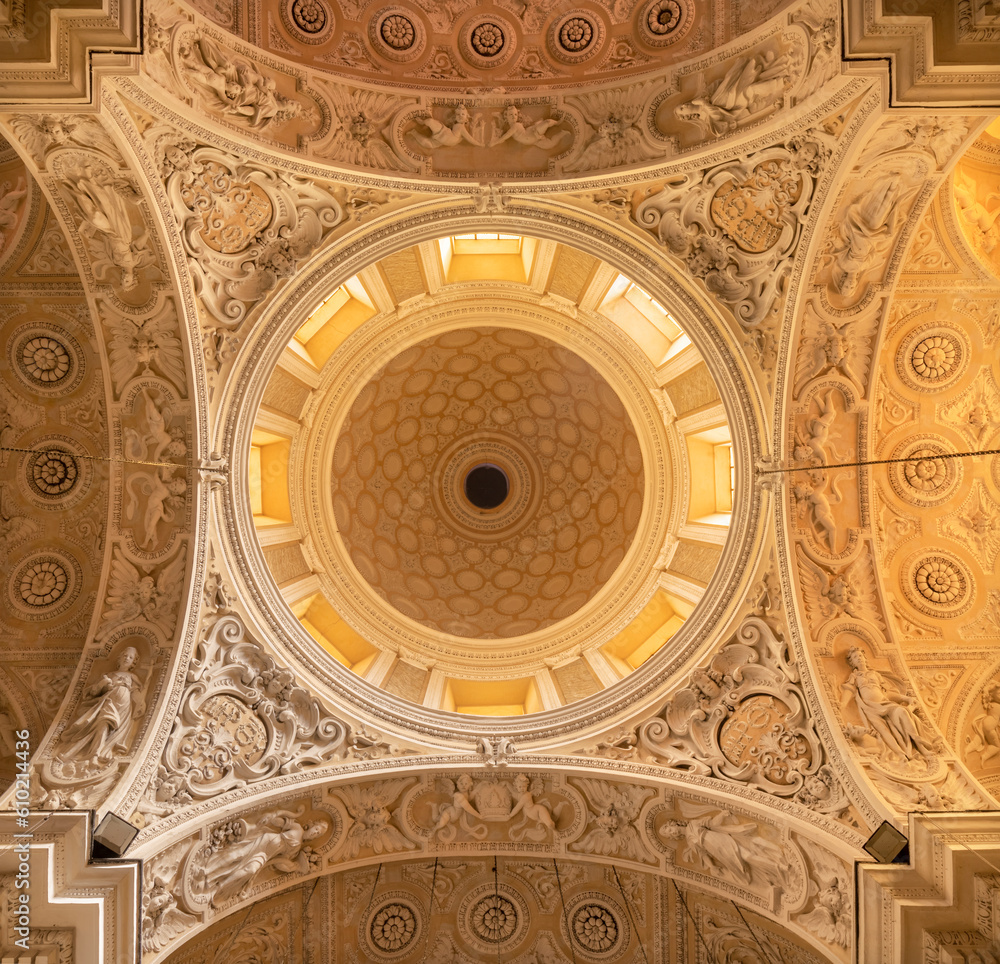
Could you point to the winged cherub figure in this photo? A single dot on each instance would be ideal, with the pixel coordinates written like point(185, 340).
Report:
point(614, 116)
point(443, 135)
point(142, 344)
point(10, 201)
point(615, 808)
point(372, 828)
point(137, 597)
point(832, 889)
point(849, 592)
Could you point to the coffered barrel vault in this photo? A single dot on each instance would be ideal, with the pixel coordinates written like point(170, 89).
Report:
point(483, 480)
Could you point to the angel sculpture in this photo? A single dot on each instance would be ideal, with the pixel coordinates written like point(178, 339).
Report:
point(530, 810)
point(162, 920)
point(164, 500)
point(830, 918)
point(617, 140)
point(885, 709)
point(974, 212)
point(360, 117)
point(141, 344)
point(532, 135)
point(615, 809)
point(816, 440)
point(849, 592)
point(752, 85)
point(987, 726)
point(865, 230)
point(809, 495)
point(369, 809)
point(954, 793)
point(41, 134)
point(235, 86)
point(104, 204)
point(844, 349)
point(10, 201)
point(449, 816)
point(108, 709)
point(723, 847)
point(441, 135)
point(822, 793)
point(155, 439)
point(134, 597)
point(280, 841)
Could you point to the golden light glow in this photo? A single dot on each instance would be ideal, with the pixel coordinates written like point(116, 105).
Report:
point(661, 617)
point(475, 259)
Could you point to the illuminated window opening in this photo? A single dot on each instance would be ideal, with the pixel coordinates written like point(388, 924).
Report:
point(725, 477)
point(331, 321)
point(644, 319)
point(322, 622)
point(516, 697)
point(710, 454)
point(658, 621)
point(487, 256)
point(268, 479)
point(486, 242)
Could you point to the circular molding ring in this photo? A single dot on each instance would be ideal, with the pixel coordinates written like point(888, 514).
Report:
point(932, 357)
point(44, 584)
point(599, 928)
point(661, 23)
point(575, 36)
point(48, 359)
point(937, 584)
point(54, 476)
point(597, 617)
point(643, 263)
point(308, 21)
point(398, 34)
point(392, 928)
point(487, 40)
point(928, 479)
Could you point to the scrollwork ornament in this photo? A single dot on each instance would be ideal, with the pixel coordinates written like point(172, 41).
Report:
point(743, 717)
point(242, 718)
point(245, 227)
point(736, 226)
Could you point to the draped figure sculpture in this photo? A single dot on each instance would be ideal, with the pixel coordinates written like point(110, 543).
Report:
point(109, 706)
point(279, 841)
point(733, 849)
point(884, 709)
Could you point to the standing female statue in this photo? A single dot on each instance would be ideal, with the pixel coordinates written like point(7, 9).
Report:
point(109, 706)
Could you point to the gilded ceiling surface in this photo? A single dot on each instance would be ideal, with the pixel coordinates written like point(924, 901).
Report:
point(460, 43)
point(555, 429)
point(731, 345)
